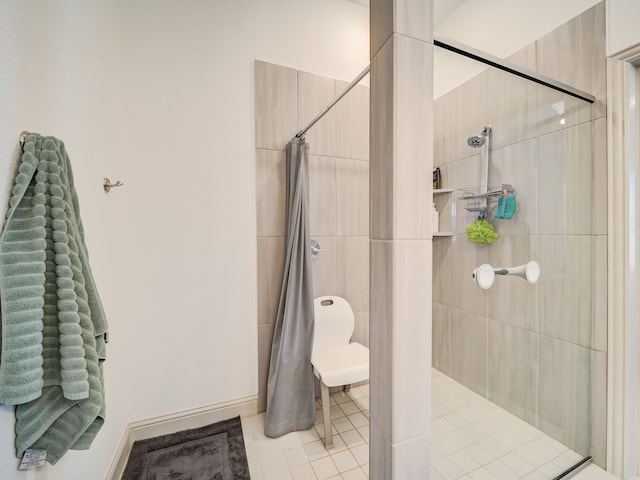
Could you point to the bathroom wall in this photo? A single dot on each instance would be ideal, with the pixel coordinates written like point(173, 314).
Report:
point(538, 351)
point(286, 100)
point(160, 94)
point(622, 25)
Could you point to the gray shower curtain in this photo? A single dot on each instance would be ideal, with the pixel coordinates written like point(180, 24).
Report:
point(290, 397)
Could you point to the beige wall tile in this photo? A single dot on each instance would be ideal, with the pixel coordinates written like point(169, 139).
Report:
point(414, 19)
point(513, 370)
point(271, 255)
point(380, 453)
point(565, 179)
point(352, 122)
point(381, 24)
point(325, 268)
point(265, 337)
point(442, 286)
point(322, 195)
point(412, 332)
point(565, 288)
point(513, 300)
point(314, 94)
point(592, 56)
point(514, 108)
point(517, 165)
point(381, 166)
point(469, 350)
point(271, 178)
point(466, 295)
point(361, 330)
point(381, 339)
point(411, 459)
point(352, 270)
point(565, 392)
point(442, 338)
point(413, 146)
point(352, 189)
point(276, 105)
point(525, 57)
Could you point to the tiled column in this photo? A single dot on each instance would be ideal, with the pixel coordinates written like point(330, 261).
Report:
point(400, 229)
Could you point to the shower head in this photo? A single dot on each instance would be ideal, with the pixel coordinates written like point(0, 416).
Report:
point(476, 141)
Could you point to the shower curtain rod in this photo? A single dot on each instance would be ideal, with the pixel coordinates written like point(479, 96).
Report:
point(479, 56)
point(362, 74)
point(496, 62)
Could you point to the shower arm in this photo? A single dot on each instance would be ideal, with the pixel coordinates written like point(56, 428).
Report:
point(487, 149)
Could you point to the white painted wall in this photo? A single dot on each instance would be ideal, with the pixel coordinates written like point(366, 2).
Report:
point(623, 22)
point(160, 94)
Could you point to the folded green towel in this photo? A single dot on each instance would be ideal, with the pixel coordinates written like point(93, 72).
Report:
point(53, 324)
point(506, 207)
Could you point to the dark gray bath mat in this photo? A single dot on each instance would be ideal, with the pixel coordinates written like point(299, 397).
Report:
point(214, 452)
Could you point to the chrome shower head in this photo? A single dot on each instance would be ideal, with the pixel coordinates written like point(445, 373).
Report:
point(476, 141)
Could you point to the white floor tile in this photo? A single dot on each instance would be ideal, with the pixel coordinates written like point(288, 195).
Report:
point(358, 420)
point(448, 468)
point(302, 472)
point(290, 440)
point(296, 456)
point(361, 454)
point(352, 438)
point(349, 408)
point(355, 474)
point(344, 461)
point(472, 439)
point(481, 474)
point(324, 468)
point(308, 436)
point(464, 461)
point(315, 450)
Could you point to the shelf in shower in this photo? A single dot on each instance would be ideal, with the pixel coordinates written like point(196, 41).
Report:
point(437, 191)
point(443, 234)
point(472, 196)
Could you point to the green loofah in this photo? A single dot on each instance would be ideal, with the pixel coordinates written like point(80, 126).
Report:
point(481, 232)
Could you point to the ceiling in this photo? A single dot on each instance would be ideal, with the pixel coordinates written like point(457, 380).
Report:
point(486, 24)
point(497, 27)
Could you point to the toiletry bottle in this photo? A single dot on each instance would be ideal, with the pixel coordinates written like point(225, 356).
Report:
point(435, 220)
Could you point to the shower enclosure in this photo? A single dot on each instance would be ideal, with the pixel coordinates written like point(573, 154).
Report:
point(535, 350)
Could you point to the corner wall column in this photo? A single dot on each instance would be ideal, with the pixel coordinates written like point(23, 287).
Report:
point(401, 150)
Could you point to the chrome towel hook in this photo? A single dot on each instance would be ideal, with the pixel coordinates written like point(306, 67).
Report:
point(107, 185)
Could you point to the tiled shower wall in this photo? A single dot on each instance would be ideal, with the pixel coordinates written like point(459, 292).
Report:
point(539, 351)
point(286, 101)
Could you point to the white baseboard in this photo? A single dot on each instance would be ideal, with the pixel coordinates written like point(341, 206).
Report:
point(175, 422)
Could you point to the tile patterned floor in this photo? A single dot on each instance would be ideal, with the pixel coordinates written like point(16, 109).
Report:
point(473, 439)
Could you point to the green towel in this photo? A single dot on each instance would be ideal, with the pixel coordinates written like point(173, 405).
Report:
point(53, 324)
point(506, 207)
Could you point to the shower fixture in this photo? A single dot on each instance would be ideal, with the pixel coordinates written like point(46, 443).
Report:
point(476, 141)
point(485, 274)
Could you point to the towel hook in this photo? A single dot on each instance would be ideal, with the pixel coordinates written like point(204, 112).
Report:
point(23, 138)
point(107, 185)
